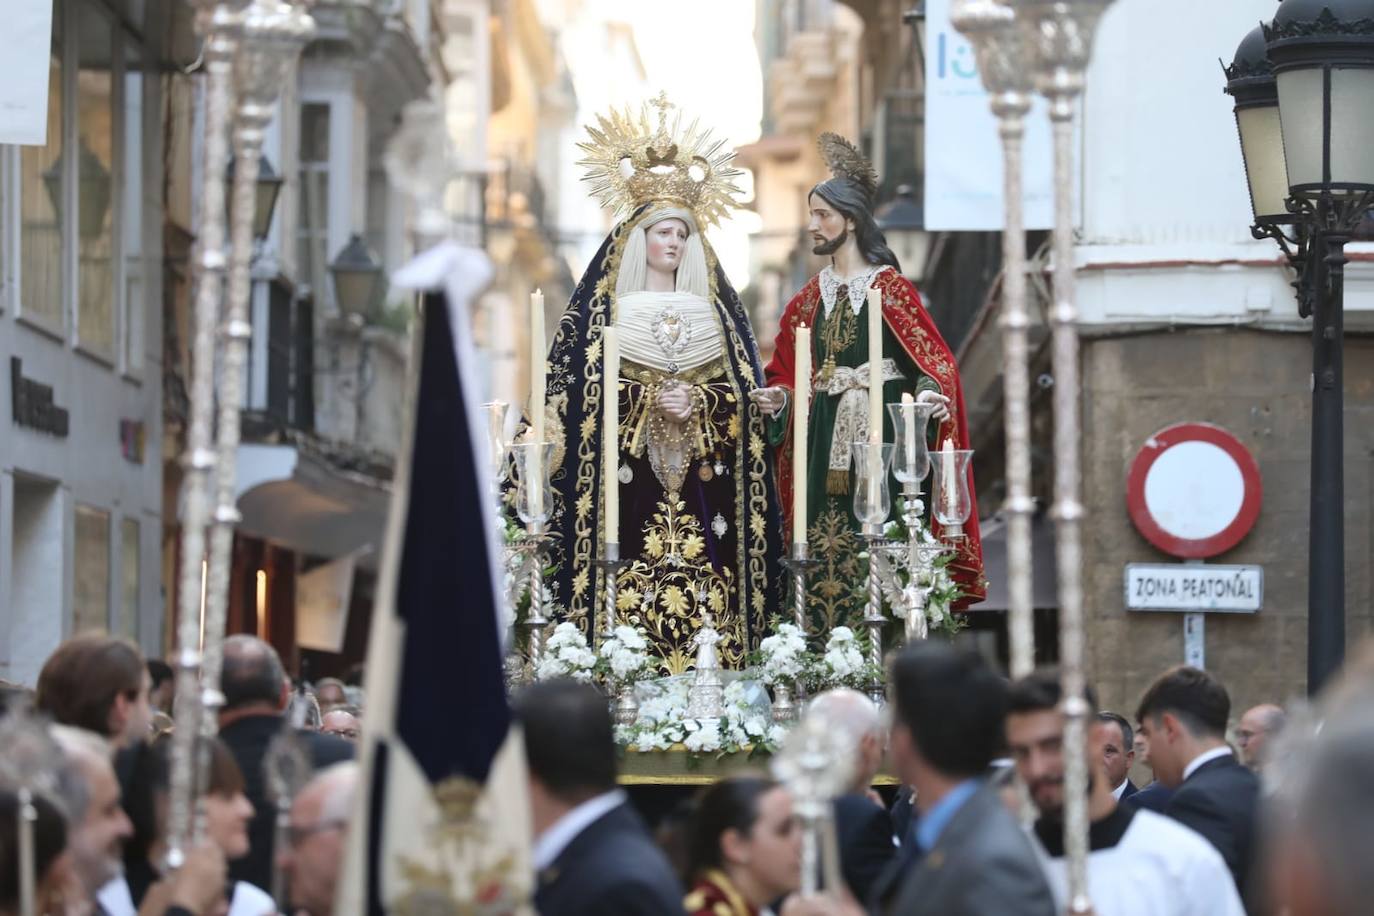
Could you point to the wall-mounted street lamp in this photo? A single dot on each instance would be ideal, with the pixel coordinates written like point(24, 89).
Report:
point(357, 277)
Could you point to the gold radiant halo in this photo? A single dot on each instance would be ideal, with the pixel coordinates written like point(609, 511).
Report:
point(630, 163)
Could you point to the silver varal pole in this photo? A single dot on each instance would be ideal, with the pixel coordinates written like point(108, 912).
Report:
point(272, 34)
point(1004, 67)
point(218, 25)
point(1059, 34)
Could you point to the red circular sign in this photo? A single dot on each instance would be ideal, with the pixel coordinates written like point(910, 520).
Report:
point(1194, 490)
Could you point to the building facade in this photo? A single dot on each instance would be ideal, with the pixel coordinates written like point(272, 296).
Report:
point(81, 495)
point(1185, 318)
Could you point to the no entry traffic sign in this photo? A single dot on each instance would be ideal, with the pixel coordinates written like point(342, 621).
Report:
point(1194, 490)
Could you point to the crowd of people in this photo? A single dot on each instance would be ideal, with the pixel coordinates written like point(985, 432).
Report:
point(99, 719)
point(1274, 824)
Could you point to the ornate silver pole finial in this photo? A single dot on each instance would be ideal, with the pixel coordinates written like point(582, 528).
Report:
point(218, 25)
point(1004, 65)
point(816, 763)
point(1058, 34)
point(271, 35)
point(420, 161)
point(29, 759)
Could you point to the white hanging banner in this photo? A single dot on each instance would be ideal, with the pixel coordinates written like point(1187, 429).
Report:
point(25, 47)
point(963, 152)
point(323, 596)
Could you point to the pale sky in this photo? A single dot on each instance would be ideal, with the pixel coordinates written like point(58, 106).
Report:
point(702, 54)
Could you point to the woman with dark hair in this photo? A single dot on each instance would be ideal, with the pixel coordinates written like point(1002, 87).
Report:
point(227, 812)
point(743, 848)
point(52, 873)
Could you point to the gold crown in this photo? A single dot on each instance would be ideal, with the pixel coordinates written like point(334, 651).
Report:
point(630, 164)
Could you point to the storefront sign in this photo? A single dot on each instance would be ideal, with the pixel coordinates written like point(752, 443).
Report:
point(1194, 587)
point(32, 405)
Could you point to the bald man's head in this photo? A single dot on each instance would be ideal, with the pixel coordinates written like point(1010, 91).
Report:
point(859, 720)
point(252, 675)
point(1256, 731)
point(319, 822)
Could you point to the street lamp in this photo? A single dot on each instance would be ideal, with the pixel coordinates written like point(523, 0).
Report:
point(265, 192)
point(1322, 58)
point(903, 222)
point(357, 278)
point(1250, 81)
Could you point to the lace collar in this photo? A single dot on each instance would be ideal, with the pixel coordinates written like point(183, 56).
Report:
point(858, 287)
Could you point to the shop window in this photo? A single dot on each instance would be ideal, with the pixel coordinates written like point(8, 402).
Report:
point(43, 190)
point(129, 559)
point(91, 568)
point(95, 167)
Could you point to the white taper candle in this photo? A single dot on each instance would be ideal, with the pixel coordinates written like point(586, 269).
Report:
point(610, 433)
point(801, 415)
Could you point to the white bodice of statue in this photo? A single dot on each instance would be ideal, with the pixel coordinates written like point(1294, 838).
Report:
point(670, 332)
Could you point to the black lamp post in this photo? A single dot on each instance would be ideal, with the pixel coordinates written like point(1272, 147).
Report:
point(1318, 84)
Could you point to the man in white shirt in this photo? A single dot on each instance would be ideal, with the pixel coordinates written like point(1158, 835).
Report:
point(592, 853)
point(1183, 715)
point(1139, 862)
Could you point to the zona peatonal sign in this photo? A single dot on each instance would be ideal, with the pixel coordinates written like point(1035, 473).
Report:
point(1194, 587)
point(1194, 491)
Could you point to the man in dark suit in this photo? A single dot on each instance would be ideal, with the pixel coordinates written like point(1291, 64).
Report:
point(593, 856)
point(863, 827)
point(1183, 716)
point(256, 691)
point(1118, 753)
point(970, 857)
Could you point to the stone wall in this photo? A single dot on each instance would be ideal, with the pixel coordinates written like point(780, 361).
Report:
point(1256, 385)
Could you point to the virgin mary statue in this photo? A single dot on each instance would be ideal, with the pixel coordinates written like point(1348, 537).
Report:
point(698, 520)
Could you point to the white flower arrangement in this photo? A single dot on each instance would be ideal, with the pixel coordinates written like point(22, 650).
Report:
point(663, 721)
point(783, 655)
point(566, 655)
point(842, 662)
point(624, 658)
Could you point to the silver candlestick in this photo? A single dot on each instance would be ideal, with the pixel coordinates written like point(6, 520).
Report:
point(874, 621)
point(533, 544)
point(798, 564)
point(610, 565)
point(626, 707)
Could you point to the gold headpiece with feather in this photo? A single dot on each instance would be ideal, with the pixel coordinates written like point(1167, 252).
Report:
point(629, 163)
point(844, 161)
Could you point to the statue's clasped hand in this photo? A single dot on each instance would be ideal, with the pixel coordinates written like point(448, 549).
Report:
point(769, 400)
point(940, 402)
point(676, 403)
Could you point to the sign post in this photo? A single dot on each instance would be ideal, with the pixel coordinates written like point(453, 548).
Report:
point(1194, 492)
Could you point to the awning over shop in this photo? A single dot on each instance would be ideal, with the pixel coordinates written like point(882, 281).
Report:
point(1044, 581)
point(297, 499)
